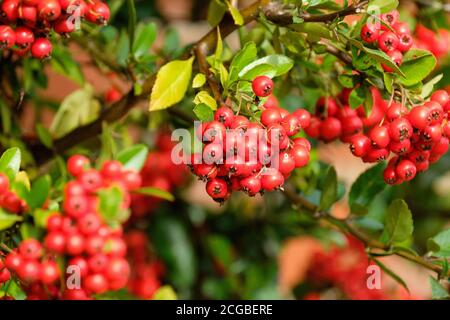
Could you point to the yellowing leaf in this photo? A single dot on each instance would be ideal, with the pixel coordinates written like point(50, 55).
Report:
point(237, 17)
point(22, 177)
point(199, 80)
point(204, 97)
point(171, 84)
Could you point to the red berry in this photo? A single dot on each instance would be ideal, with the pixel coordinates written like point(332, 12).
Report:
point(29, 271)
point(49, 272)
point(7, 37)
point(117, 268)
point(131, 179)
point(302, 142)
point(330, 129)
point(98, 263)
point(217, 188)
point(251, 185)
point(28, 14)
point(388, 41)
point(436, 112)
point(290, 124)
point(5, 275)
point(111, 169)
point(271, 179)
point(75, 294)
point(400, 129)
point(24, 37)
point(98, 13)
point(369, 33)
point(351, 125)
point(13, 261)
point(395, 110)
point(405, 42)
point(419, 117)
point(214, 130)
point(30, 249)
point(11, 202)
point(359, 145)
point(396, 56)
point(77, 164)
point(401, 28)
point(262, 86)
point(286, 163)
point(54, 222)
point(390, 176)
point(224, 115)
point(441, 97)
point(303, 116)
point(75, 244)
point(213, 153)
point(89, 223)
point(75, 206)
point(41, 48)
point(113, 95)
point(380, 136)
point(400, 148)
point(55, 241)
point(91, 180)
point(271, 102)
point(9, 9)
point(96, 283)
point(81, 263)
point(432, 133)
point(4, 183)
point(390, 18)
point(300, 154)
point(270, 116)
point(406, 170)
point(49, 10)
point(441, 147)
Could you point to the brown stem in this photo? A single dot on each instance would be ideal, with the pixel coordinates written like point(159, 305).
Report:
point(346, 227)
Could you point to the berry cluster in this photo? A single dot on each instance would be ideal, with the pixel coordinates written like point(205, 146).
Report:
point(26, 24)
point(145, 274)
point(159, 171)
point(252, 156)
point(80, 236)
point(9, 200)
point(392, 36)
point(437, 43)
point(345, 269)
point(415, 137)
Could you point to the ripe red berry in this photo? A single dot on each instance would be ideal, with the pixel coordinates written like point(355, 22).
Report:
point(270, 116)
point(49, 10)
point(5, 275)
point(441, 97)
point(436, 112)
point(400, 148)
point(29, 271)
point(13, 261)
point(419, 117)
point(98, 13)
point(77, 164)
point(111, 169)
point(432, 133)
point(214, 130)
point(96, 283)
point(24, 37)
point(395, 110)
point(400, 129)
point(351, 125)
point(271, 179)
point(11, 202)
point(224, 115)
point(251, 185)
point(396, 56)
point(75, 206)
point(217, 188)
point(30, 249)
point(390, 18)
point(286, 163)
point(41, 48)
point(75, 244)
point(131, 179)
point(401, 28)
point(370, 33)
point(262, 86)
point(81, 263)
point(213, 153)
point(405, 42)
point(49, 272)
point(380, 136)
point(388, 41)
point(28, 15)
point(89, 223)
point(64, 25)
point(4, 183)
point(330, 129)
point(7, 37)
point(303, 116)
point(441, 147)
point(55, 241)
point(113, 95)
point(406, 170)
point(117, 268)
point(271, 102)
point(302, 142)
point(359, 145)
point(9, 10)
point(300, 154)
point(390, 176)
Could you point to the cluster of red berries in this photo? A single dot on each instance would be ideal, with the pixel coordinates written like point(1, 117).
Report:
point(159, 171)
point(145, 274)
point(26, 24)
point(437, 43)
point(9, 200)
point(79, 235)
point(393, 37)
point(415, 137)
point(345, 269)
point(240, 154)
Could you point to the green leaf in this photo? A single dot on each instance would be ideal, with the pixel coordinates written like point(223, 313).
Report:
point(440, 244)
point(416, 66)
point(398, 222)
point(221, 249)
point(63, 63)
point(8, 220)
point(348, 80)
point(366, 187)
point(199, 80)
point(132, 18)
point(381, 6)
point(172, 241)
point(437, 290)
point(145, 36)
point(171, 84)
point(216, 11)
point(329, 191)
point(110, 205)
point(165, 293)
point(44, 136)
point(205, 98)
point(133, 157)
point(10, 159)
point(357, 97)
point(391, 273)
point(427, 88)
point(237, 17)
point(242, 58)
point(278, 65)
point(78, 108)
point(204, 112)
point(39, 192)
point(155, 192)
point(40, 217)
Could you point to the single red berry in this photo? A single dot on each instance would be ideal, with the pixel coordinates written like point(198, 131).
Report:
point(28, 15)
point(239, 122)
point(54, 222)
point(406, 170)
point(396, 56)
point(9, 10)
point(65, 25)
point(303, 116)
point(388, 41)
point(49, 10)
point(390, 176)
point(113, 95)
point(30, 249)
point(400, 129)
point(41, 48)
point(359, 145)
point(81, 264)
point(224, 115)
point(55, 241)
point(405, 42)
point(117, 268)
point(302, 142)
point(370, 33)
point(13, 261)
point(7, 37)
point(217, 188)
point(75, 244)
point(395, 110)
point(375, 154)
point(446, 129)
point(390, 18)
point(75, 206)
point(49, 272)
point(432, 133)
point(400, 148)
point(214, 130)
point(351, 125)
point(98, 13)
point(262, 86)
point(419, 117)
point(290, 124)
point(11, 202)
point(441, 147)
point(436, 112)
point(271, 102)
point(300, 154)
point(4, 183)
point(313, 130)
point(29, 271)
point(77, 164)
point(401, 28)
point(326, 107)
point(91, 180)
point(270, 116)
point(131, 179)
point(96, 283)
point(330, 129)
point(213, 153)
point(380, 136)
point(89, 223)
point(111, 169)
point(95, 244)
point(24, 37)
point(98, 262)
point(251, 185)
point(441, 97)
point(271, 179)
point(5, 275)
point(286, 163)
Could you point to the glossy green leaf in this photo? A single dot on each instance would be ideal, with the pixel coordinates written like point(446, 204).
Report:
point(381, 6)
point(155, 192)
point(204, 112)
point(145, 36)
point(39, 192)
point(278, 64)
point(44, 135)
point(329, 190)
point(10, 159)
point(398, 222)
point(7, 220)
point(437, 290)
point(237, 17)
point(416, 66)
point(216, 11)
point(439, 245)
point(133, 157)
